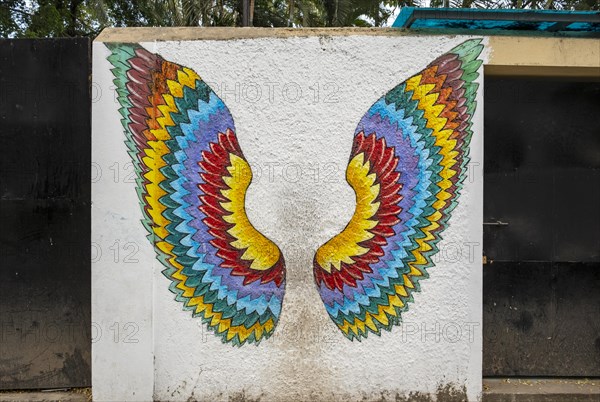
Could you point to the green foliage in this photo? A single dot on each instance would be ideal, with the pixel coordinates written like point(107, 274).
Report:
point(47, 18)
point(58, 18)
point(11, 15)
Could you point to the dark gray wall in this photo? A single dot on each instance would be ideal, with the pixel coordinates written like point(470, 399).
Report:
point(45, 213)
point(541, 305)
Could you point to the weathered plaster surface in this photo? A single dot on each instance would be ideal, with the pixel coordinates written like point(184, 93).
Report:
point(227, 33)
point(296, 102)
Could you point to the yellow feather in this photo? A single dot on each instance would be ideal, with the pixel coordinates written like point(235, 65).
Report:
point(261, 251)
point(344, 246)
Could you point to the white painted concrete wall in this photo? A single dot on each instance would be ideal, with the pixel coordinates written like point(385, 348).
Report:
point(297, 134)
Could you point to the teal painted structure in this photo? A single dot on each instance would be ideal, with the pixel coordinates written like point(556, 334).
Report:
point(565, 23)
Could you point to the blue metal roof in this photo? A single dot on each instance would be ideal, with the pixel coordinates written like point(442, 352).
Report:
point(470, 19)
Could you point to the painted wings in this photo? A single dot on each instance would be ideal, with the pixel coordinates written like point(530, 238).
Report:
point(407, 166)
point(191, 182)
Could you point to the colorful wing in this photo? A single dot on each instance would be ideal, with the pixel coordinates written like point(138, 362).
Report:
point(407, 166)
point(191, 182)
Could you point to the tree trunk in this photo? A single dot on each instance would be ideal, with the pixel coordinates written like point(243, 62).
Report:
point(290, 12)
point(251, 18)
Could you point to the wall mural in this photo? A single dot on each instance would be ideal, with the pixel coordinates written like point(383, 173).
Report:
point(191, 181)
point(407, 166)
